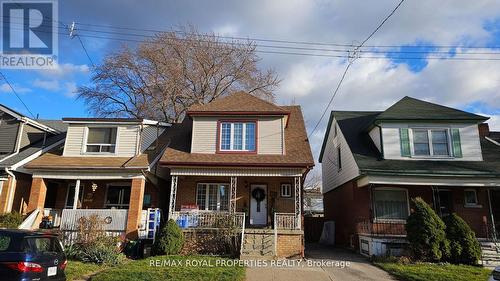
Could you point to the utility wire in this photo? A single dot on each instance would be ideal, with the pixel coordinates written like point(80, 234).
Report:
point(17, 95)
point(351, 61)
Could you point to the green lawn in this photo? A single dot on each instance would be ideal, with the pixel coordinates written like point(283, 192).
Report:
point(186, 271)
point(77, 269)
point(435, 272)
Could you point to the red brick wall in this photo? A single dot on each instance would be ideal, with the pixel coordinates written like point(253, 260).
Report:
point(22, 193)
point(346, 205)
point(289, 245)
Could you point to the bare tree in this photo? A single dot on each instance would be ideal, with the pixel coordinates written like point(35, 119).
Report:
point(162, 77)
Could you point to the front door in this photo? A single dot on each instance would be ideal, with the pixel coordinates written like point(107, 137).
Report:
point(445, 203)
point(258, 204)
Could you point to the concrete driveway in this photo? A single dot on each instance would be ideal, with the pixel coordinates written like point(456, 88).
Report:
point(322, 263)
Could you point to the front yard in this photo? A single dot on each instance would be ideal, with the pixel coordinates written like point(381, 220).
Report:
point(161, 268)
point(435, 272)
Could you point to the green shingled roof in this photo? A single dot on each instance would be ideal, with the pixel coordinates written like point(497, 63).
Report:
point(409, 108)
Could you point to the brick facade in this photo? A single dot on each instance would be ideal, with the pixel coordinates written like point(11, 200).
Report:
point(5, 194)
point(37, 194)
point(290, 245)
point(348, 205)
point(135, 207)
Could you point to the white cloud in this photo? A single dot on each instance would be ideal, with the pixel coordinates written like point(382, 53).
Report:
point(70, 89)
point(50, 85)
point(65, 70)
point(226, 30)
point(5, 88)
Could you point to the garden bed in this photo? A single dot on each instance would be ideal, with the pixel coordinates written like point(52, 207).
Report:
point(435, 272)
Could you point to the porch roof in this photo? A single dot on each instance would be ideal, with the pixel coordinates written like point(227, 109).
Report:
point(298, 152)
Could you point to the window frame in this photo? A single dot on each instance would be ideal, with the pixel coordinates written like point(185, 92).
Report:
point(475, 204)
point(382, 220)
point(207, 195)
point(82, 190)
point(289, 185)
point(120, 205)
point(86, 143)
point(430, 143)
point(243, 136)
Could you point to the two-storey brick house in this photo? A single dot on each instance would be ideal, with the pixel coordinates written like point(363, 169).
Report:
point(244, 158)
point(375, 162)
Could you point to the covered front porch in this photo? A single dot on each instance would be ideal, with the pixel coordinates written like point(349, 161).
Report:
point(122, 201)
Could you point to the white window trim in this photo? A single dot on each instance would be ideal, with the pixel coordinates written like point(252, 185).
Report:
point(289, 185)
point(207, 193)
point(82, 188)
point(403, 221)
point(231, 136)
point(116, 184)
point(471, 205)
point(85, 141)
point(429, 136)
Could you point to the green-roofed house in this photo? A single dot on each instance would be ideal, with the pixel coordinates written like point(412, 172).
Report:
point(375, 162)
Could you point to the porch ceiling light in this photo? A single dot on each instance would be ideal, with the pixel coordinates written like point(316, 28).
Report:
point(94, 187)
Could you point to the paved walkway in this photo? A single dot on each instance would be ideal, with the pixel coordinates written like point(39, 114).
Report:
point(322, 263)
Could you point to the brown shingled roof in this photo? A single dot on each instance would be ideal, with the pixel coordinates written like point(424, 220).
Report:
point(237, 103)
point(297, 154)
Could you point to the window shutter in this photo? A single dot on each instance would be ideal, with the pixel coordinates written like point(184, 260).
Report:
point(405, 142)
point(457, 146)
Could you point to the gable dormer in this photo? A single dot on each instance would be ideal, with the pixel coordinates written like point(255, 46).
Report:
point(413, 129)
point(122, 137)
point(239, 124)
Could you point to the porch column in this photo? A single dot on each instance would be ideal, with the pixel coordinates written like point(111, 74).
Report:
point(173, 195)
point(77, 192)
point(37, 194)
point(298, 201)
point(232, 200)
point(135, 207)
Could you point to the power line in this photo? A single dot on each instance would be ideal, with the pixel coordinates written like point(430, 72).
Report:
point(355, 55)
point(85, 50)
point(17, 95)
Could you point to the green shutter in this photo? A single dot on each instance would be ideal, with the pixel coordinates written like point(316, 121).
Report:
point(405, 142)
point(457, 146)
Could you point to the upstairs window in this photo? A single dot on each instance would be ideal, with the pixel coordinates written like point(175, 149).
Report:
point(431, 142)
point(101, 140)
point(237, 136)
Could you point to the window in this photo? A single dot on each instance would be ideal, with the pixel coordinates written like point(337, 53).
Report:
point(40, 245)
point(212, 196)
point(101, 140)
point(431, 142)
point(334, 130)
point(339, 158)
point(237, 136)
point(470, 196)
point(390, 204)
point(117, 197)
point(286, 190)
point(70, 195)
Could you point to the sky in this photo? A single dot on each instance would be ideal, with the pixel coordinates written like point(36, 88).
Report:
point(370, 84)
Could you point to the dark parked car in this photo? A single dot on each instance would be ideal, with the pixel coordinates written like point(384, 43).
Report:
point(28, 255)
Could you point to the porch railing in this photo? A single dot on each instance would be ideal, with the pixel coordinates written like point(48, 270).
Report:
point(381, 228)
point(283, 221)
point(209, 220)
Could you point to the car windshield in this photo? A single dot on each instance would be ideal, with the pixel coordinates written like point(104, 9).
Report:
point(42, 245)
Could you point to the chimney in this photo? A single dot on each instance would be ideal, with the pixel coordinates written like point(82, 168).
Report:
point(484, 130)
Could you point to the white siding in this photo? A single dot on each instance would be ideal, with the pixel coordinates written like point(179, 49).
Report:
point(204, 135)
point(270, 135)
point(74, 140)
point(375, 136)
point(270, 139)
point(332, 177)
point(469, 137)
point(126, 143)
point(127, 140)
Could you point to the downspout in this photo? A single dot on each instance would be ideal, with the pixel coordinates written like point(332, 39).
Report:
point(10, 195)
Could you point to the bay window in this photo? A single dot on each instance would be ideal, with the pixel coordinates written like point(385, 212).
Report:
point(390, 204)
point(101, 140)
point(237, 136)
point(212, 196)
